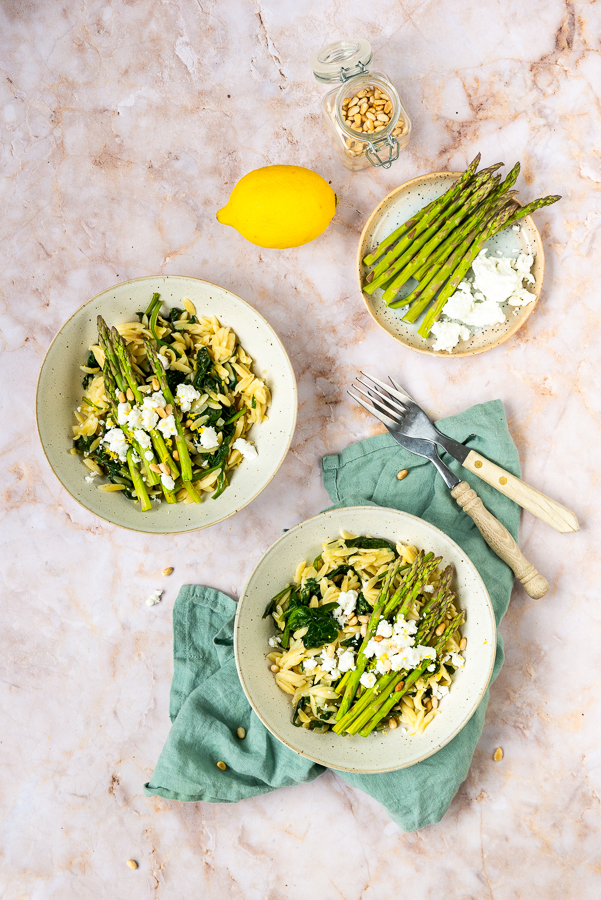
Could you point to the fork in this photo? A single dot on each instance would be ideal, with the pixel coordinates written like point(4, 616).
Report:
point(412, 421)
point(494, 533)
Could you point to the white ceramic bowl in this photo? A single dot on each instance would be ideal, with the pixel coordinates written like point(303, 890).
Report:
point(59, 393)
point(379, 752)
point(400, 205)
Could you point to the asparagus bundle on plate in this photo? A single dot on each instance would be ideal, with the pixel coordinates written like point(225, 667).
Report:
point(437, 246)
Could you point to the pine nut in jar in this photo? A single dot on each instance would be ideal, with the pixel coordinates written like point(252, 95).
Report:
point(364, 115)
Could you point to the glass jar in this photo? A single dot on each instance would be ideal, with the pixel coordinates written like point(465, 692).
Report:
point(364, 116)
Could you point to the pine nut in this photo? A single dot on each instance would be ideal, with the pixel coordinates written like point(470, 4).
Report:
point(363, 619)
point(330, 650)
point(130, 395)
point(364, 109)
point(392, 723)
point(175, 455)
point(429, 705)
point(189, 423)
point(353, 620)
point(164, 468)
point(132, 864)
point(168, 570)
point(434, 702)
point(155, 383)
point(221, 765)
point(463, 644)
point(357, 121)
point(388, 107)
point(154, 468)
point(161, 412)
point(402, 474)
point(378, 638)
point(363, 630)
point(241, 733)
point(361, 93)
point(274, 668)
point(399, 687)
point(498, 754)
point(353, 111)
point(440, 629)
point(122, 397)
point(387, 666)
point(168, 409)
point(382, 117)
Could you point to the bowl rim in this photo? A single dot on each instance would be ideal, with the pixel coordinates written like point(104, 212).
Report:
point(183, 278)
point(515, 326)
point(464, 720)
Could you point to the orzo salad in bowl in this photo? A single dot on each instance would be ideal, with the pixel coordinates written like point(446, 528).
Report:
point(364, 639)
point(184, 410)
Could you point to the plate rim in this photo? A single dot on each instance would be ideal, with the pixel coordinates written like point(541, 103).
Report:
point(464, 721)
point(425, 350)
point(121, 284)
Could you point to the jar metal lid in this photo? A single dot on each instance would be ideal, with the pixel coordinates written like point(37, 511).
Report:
point(341, 60)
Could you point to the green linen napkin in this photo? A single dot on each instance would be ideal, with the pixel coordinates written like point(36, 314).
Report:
point(207, 702)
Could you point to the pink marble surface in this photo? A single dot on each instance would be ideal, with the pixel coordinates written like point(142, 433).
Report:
point(124, 127)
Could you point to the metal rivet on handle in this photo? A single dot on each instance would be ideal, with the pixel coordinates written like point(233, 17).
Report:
point(478, 464)
point(502, 480)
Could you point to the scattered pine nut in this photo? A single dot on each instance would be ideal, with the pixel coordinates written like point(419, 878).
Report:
point(241, 733)
point(363, 631)
point(221, 765)
point(122, 397)
point(330, 650)
point(164, 468)
point(429, 705)
point(132, 864)
point(168, 409)
point(402, 474)
point(161, 412)
point(463, 644)
point(440, 629)
point(363, 619)
point(130, 395)
point(168, 570)
point(274, 668)
point(175, 455)
point(399, 687)
point(155, 383)
point(154, 468)
point(392, 723)
point(353, 620)
point(434, 702)
point(498, 755)
point(378, 638)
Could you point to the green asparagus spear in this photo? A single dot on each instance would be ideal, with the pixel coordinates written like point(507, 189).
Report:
point(432, 208)
point(182, 447)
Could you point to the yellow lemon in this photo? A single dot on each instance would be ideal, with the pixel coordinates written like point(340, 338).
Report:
point(280, 206)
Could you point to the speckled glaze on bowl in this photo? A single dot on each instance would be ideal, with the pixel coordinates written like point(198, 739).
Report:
point(396, 208)
point(379, 752)
point(59, 393)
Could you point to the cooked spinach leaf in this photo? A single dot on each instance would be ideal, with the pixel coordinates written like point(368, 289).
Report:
point(321, 626)
point(367, 543)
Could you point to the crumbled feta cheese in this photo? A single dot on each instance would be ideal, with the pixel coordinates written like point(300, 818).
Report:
point(327, 663)
point(347, 600)
point(275, 640)
point(383, 665)
point(148, 455)
point(368, 679)
point(248, 450)
point(404, 629)
point(167, 481)
point(164, 361)
point(167, 426)
point(431, 668)
point(410, 657)
point(346, 660)
point(122, 412)
point(143, 439)
point(148, 418)
point(457, 660)
point(156, 399)
point(135, 418)
point(115, 440)
point(185, 396)
point(439, 691)
point(384, 628)
point(208, 438)
point(90, 477)
point(472, 309)
point(448, 335)
point(308, 664)
point(428, 589)
point(155, 597)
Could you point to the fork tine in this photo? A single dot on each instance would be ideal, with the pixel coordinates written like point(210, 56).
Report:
point(391, 406)
point(383, 418)
point(400, 395)
point(400, 389)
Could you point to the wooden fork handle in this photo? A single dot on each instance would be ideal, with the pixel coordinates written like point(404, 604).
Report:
point(498, 539)
point(550, 511)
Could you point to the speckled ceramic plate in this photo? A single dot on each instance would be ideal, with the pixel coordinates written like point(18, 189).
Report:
point(400, 205)
point(59, 393)
point(379, 752)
